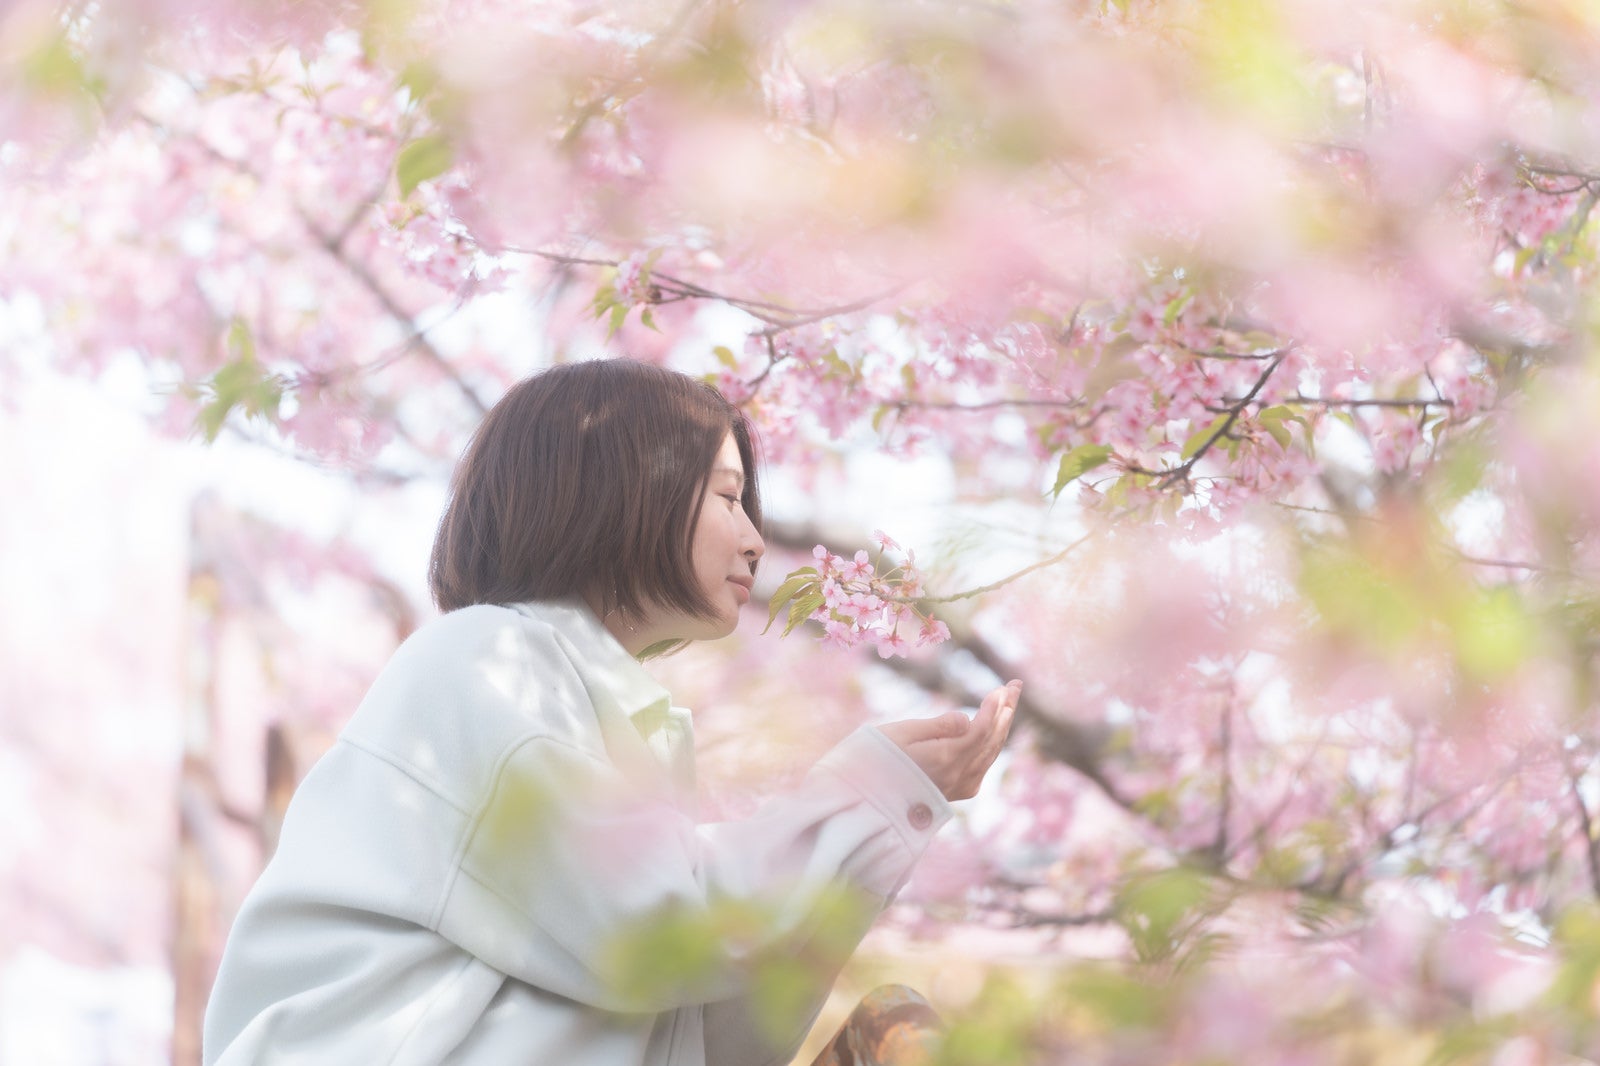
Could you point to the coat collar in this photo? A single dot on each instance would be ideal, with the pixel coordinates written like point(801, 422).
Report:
point(608, 670)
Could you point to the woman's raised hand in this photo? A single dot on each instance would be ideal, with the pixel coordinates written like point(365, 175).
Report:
point(956, 751)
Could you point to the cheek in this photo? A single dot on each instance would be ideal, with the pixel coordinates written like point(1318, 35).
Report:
point(708, 546)
point(717, 543)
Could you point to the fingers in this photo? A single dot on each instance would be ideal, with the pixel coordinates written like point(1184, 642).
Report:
point(1008, 710)
point(916, 730)
point(998, 707)
point(954, 751)
point(1005, 707)
point(976, 753)
point(990, 707)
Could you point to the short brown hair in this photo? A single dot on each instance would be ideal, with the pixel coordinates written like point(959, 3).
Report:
point(586, 480)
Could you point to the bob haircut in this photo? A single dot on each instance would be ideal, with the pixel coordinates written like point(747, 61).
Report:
point(587, 480)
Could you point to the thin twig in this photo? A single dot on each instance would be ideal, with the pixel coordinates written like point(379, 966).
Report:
point(1181, 471)
point(1219, 846)
point(645, 57)
point(1243, 357)
point(779, 318)
point(419, 341)
point(1331, 401)
point(333, 244)
point(1002, 582)
point(1506, 564)
point(989, 405)
point(1591, 846)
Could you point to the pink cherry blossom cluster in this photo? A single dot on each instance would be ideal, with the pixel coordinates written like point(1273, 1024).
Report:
point(857, 603)
point(632, 283)
point(1523, 208)
point(863, 604)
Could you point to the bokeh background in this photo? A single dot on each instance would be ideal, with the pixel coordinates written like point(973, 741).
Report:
point(1224, 369)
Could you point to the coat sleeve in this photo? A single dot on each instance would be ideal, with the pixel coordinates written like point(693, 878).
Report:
point(575, 879)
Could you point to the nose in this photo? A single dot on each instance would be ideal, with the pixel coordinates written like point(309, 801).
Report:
point(751, 546)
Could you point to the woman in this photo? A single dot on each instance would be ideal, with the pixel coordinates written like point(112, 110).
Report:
point(497, 862)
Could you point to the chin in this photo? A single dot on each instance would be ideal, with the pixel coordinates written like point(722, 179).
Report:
point(724, 626)
point(710, 628)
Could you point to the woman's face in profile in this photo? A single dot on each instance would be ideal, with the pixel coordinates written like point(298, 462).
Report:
point(724, 546)
point(726, 543)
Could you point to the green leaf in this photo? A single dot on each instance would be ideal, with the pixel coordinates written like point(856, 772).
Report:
point(796, 583)
point(678, 948)
point(240, 383)
point(240, 343)
point(1120, 345)
point(725, 356)
point(54, 68)
point(385, 25)
point(1156, 804)
point(837, 365)
point(780, 993)
point(619, 315)
point(802, 608)
point(1472, 1041)
point(1577, 933)
point(210, 420)
point(421, 160)
point(647, 320)
point(1272, 420)
point(1115, 1000)
point(1494, 634)
point(1260, 341)
point(1464, 467)
point(419, 79)
point(1356, 597)
point(1112, 367)
point(1002, 1026)
point(605, 297)
point(1077, 462)
point(1175, 307)
point(1284, 413)
point(1158, 910)
point(1203, 436)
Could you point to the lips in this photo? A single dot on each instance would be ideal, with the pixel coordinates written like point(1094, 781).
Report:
point(743, 585)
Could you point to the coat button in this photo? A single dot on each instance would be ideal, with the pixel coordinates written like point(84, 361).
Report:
point(919, 816)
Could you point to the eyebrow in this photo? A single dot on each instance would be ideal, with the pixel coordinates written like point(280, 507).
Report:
point(730, 470)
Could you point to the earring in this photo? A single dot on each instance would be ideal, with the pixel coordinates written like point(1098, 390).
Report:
point(621, 614)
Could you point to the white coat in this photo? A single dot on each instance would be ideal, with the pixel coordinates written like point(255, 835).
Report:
point(504, 809)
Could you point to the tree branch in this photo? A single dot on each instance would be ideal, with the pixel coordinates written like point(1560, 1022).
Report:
point(1181, 471)
point(645, 57)
point(989, 405)
point(1330, 401)
point(1219, 846)
point(334, 245)
point(1068, 742)
point(417, 340)
point(779, 318)
point(1004, 581)
point(1591, 846)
